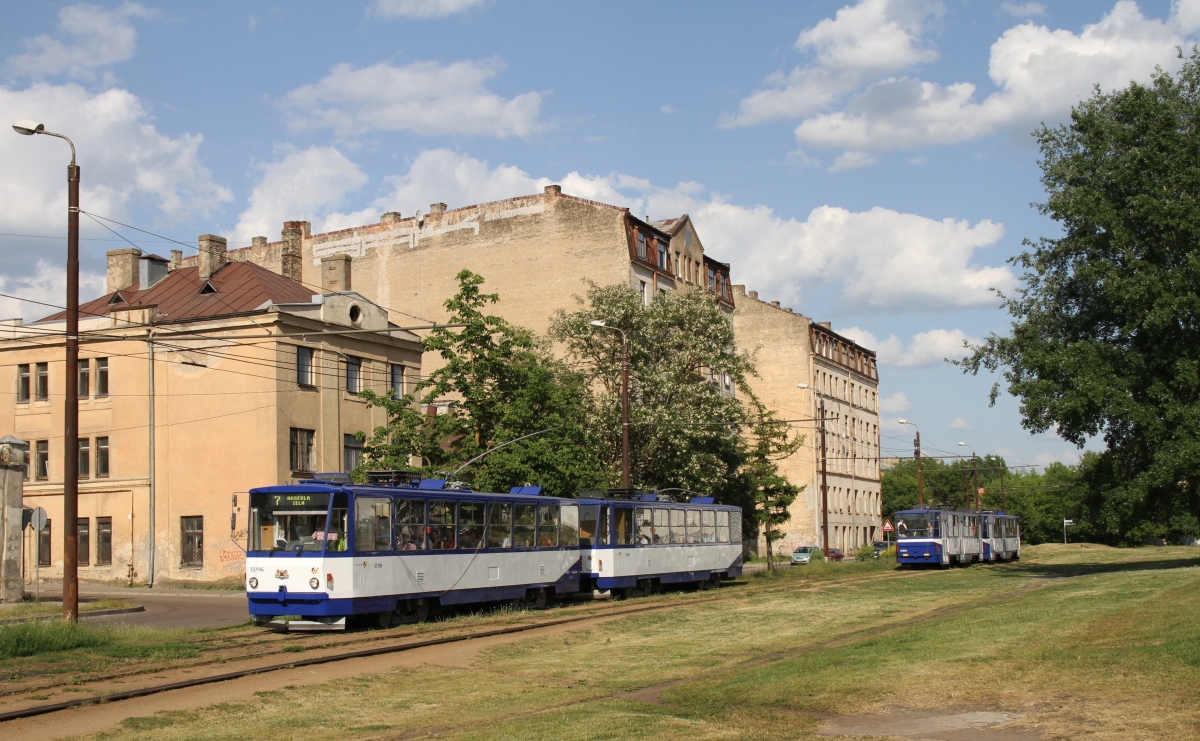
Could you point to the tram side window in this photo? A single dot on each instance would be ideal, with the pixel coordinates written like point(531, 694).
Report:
point(410, 525)
point(500, 525)
point(372, 524)
point(547, 526)
point(441, 523)
point(524, 517)
point(983, 528)
point(623, 526)
point(735, 527)
point(723, 526)
point(588, 514)
point(660, 533)
point(644, 519)
point(708, 526)
point(570, 525)
point(470, 525)
point(605, 525)
point(677, 526)
point(339, 526)
point(693, 525)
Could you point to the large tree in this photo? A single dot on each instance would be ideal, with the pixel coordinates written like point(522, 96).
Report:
point(496, 384)
point(1105, 338)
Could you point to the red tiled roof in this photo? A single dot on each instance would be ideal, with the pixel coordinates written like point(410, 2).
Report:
point(240, 287)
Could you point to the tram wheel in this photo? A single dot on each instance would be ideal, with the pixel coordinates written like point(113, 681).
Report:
point(539, 599)
point(422, 610)
point(384, 619)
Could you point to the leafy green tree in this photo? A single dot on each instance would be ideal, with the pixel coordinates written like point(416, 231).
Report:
point(1105, 338)
point(497, 384)
point(769, 440)
point(683, 366)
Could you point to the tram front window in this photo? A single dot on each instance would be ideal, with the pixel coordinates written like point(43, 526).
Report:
point(914, 526)
point(288, 522)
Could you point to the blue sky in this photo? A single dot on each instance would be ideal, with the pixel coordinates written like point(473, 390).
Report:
point(866, 163)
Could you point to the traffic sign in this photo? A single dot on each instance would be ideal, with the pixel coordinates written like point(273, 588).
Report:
point(1068, 522)
point(37, 520)
point(887, 526)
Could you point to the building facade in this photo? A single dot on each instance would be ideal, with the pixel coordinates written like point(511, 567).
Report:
point(195, 384)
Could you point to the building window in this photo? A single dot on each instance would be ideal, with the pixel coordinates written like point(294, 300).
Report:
point(41, 462)
point(687, 237)
point(85, 378)
point(645, 293)
point(641, 246)
point(23, 383)
point(397, 379)
point(302, 449)
point(43, 547)
point(304, 366)
point(83, 541)
point(352, 451)
point(101, 457)
point(42, 387)
point(101, 376)
point(192, 541)
point(712, 280)
point(103, 541)
point(662, 255)
point(353, 374)
point(85, 457)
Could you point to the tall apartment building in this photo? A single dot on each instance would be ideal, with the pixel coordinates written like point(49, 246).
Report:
point(194, 384)
point(538, 252)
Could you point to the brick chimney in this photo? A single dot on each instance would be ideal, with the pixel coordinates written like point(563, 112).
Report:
point(437, 209)
point(290, 257)
point(258, 243)
point(212, 254)
point(553, 190)
point(122, 268)
point(335, 273)
point(176, 260)
point(389, 217)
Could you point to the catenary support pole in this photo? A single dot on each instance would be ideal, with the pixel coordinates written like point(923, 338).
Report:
point(70, 586)
point(824, 485)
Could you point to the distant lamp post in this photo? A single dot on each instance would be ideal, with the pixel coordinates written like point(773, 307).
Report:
point(624, 400)
point(1066, 523)
point(71, 402)
point(824, 478)
point(917, 451)
point(974, 473)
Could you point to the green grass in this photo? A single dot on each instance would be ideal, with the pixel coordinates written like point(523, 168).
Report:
point(32, 609)
point(77, 643)
point(50, 636)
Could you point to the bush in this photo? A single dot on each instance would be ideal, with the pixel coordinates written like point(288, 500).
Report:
point(865, 553)
point(46, 636)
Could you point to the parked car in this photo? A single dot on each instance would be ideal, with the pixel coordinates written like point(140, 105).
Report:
point(804, 554)
point(835, 554)
point(880, 547)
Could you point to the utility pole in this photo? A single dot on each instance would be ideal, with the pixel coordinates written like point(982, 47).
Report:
point(824, 485)
point(1003, 496)
point(975, 480)
point(917, 453)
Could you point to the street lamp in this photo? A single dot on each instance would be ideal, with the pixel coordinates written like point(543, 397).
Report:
point(71, 403)
point(917, 450)
point(624, 400)
point(824, 477)
point(974, 472)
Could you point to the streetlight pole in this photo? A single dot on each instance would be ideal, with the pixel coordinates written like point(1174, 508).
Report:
point(917, 450)
point(824, 476)
point(974, 473)
point(71, 402)
point(624, 400)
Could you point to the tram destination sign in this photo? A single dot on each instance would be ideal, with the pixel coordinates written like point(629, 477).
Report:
point(316, 500)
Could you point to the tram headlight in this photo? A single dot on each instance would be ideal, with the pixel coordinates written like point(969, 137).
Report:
point(254, 582)
point(314, 583)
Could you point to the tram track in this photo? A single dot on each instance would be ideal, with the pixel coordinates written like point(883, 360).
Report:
point(323, 642)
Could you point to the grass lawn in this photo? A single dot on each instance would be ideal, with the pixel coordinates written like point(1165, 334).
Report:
point(1094, 642)
point(32, 609)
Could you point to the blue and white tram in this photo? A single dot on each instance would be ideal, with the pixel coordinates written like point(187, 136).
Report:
point(633, 543)
point(320, 551)
point(943, 537)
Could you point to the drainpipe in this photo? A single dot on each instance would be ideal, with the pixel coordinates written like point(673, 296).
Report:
point(150, 356)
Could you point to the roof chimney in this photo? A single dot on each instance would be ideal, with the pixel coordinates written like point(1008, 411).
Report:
point(258, 242)
point(552, 190)
point(437, 209)
point(122, 268)
point(775, 304)
point(212, 255)
point(335, 273)
point(390, 217)
point(290, 257)
point(176, 260)
point(753, 294)
point(826, 325)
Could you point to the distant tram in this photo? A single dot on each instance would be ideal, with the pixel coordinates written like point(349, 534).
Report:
point(943, 537)
point(322, 551)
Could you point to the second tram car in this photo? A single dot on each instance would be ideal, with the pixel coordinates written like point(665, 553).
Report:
point(943, 537)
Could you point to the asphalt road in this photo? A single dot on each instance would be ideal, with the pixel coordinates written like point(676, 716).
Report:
point(170, 608)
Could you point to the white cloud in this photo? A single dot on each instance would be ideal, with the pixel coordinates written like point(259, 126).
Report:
point(924, 350)
point(958, 423)
point(667, 109)
point(422, 8)
point(851, 161)
point(96, 37)
point(1022, 10)
point(303, 185)
point(126, 163)
point(860, 43)
point(1039, 72)
point(1069, 457)
point(1186, 14)
point(423, 97)
point(47, 285)
point(895, 404)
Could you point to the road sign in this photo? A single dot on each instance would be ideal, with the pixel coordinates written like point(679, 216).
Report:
point(887, 526)
point(1068, 522)
point(37, 519)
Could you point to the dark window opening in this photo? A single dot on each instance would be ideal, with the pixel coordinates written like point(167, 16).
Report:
point(23, 383)
point(192, 541)
point(42, 388)
point(101, 376)
point(302, 449)
point(43, 547)
point(85, 457)
point(353, 374)
point(103, 541)
point(304, 366)
point(101, 456)
point(83, 541)
point(85, 378)
point(42, 460)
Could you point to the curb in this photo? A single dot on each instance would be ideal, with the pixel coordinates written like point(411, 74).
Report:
point(82, 615)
